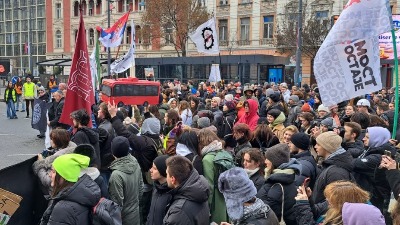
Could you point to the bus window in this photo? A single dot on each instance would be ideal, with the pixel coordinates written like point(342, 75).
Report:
point(152, 90)
point(106, 90)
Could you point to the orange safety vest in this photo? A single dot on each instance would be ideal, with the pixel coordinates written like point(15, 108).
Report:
point(51, 85)
point(18, 89)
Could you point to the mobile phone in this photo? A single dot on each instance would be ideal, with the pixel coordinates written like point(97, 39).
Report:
point(388, 153)
point(306, 182)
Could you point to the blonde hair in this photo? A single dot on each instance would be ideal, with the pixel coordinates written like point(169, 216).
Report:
point(339, 192)
point(291, 128)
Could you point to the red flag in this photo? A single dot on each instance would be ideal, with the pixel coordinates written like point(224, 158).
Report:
point(26, 47)
point(79, 90)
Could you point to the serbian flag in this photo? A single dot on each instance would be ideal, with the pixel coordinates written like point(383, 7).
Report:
point(347, 64)
point(80, 87)
point(112, 37)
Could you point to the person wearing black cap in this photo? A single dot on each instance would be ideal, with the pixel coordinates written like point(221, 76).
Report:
point(299, 149)
point(126, 184)
point(274, 102)
point(161, 196)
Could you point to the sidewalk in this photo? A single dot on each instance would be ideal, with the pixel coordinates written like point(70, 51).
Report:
point(2, 89)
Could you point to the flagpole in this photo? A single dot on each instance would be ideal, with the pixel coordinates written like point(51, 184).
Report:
point(396, 69)
point(108, 49)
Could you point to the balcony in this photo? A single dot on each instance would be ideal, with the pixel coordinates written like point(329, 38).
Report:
point(243, 42)
point(267, 41)
point(223, 43)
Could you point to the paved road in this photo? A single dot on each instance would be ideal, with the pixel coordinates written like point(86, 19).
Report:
point(18, 140)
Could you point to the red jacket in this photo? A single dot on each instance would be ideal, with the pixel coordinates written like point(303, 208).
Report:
point(251, 117)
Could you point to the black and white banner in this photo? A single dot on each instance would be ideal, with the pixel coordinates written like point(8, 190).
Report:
point(39, 118)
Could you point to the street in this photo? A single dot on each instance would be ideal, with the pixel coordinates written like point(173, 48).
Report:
point(18, 139)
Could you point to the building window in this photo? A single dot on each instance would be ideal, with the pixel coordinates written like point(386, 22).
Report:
point(169, 34)
point(223, 30)
point(40, 11)
point(9, 26)
point(246, 1)
point(58, 39)
point(76, 9)
point(142, 5)
point(321, 15)
point(41, 36)
point(223, 2)
point(16, 26)
point(245, 29)
point(40, 23)
point(58, 10)
point(91, 37)
point(91, 7)
point(268, 27)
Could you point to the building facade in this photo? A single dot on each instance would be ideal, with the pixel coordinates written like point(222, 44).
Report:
point(245, 27)
point(21, 21)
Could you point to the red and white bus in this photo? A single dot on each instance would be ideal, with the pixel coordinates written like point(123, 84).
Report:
point(130, 91)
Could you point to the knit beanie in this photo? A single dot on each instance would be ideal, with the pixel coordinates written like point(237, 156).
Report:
point(278, 154)
point(323, 108)
point(229, 97)
point(231, 105)
point(161, 165)
point(203, 122)
point(217, 99)
point(330, 141)
point(274, 113)
point(275, 97)
point(69, 166)
point(269, 92)
point(329, 122)
point(300, 140)
point(306, 108)
point(294, 98)
point(237, 189)
point(120, 147)
point(151, 126)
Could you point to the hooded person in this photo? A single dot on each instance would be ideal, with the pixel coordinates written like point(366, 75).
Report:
point(368, 173)
point(73, 197)
point(251, 116)
point(225, 126)
point(361, 214)
point(280, 182)
point(161, 196)
point(240, 196)
point(126, 183)
point(276, 118)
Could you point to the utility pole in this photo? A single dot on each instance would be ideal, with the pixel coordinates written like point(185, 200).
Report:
point(108, 49)
point(299, 43)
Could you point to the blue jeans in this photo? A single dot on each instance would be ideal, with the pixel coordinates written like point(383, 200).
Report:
point(22, 103)
point(11, 109)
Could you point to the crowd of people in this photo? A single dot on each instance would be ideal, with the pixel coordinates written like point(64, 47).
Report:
point(226, 154)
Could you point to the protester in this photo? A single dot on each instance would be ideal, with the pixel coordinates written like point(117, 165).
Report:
point(226, 124)
point(72, 198)
point(56, 110)
point(187, 146)
point(393, 177)
point(275, 119)
point(10, 97)
point(210, 145)
point(189, 192)
point(185, 113)
point(253, 164)
point(84, 134)
point(279, 189)
point(299, 149)
point(242, 204)
point(29, 93)
point(337, 194)
point(18, 89)
point(350, 142)
point(60, 145)
point(363, 106)
point(161, 195)
point(251, 117)
point(242, 135)
point(263, 137)
point(288, 132)
point(306, 121)
point(126, 184)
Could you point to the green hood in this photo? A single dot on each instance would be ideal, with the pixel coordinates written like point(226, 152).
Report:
point(127, 164)
point(280, 119)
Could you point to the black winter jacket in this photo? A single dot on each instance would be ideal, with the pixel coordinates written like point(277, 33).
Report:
point(143, 148)
point(393, 177)
point(271, 194)
point(159, 202)
point(338, 167)
point(72, 206)
point(189, 204)
point(86, 135)
point(258, 180)
point(197, 162)
point(55, 114)
point(308, 168)
point(367, 173)
point(355, 148)
point(106, 135)
point(225, 128)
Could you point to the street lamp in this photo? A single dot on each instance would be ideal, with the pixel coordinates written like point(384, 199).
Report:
point(108, 49)
point(299, 43)
point(29, 37)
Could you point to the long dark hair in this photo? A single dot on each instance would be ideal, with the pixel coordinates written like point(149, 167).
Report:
point(9, 88)
point(60, 184)
point(189, 138)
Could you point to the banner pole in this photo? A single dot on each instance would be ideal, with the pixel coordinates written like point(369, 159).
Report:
point(396, 69)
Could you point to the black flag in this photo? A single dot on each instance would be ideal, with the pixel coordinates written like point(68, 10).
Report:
point(39, 119)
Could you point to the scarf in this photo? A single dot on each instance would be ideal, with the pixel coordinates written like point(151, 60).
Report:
point(251, 172)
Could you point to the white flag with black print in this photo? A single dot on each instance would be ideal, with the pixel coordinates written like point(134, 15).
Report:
point(125, 62)
point(205, 38)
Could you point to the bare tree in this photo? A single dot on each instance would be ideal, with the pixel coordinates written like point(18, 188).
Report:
point(171, 21)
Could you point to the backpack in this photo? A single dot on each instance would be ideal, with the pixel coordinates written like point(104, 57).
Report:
point(223, 161)
point(106, 212)
point(158, 146)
